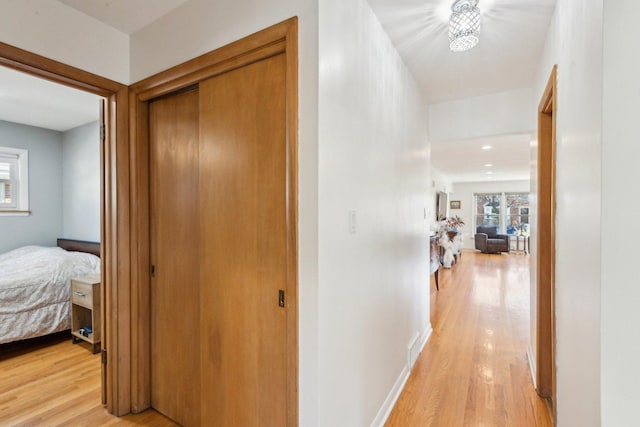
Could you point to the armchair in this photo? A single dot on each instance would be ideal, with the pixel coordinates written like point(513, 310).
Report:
point(490, 242)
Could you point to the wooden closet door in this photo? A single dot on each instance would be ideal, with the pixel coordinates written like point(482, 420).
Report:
point(175, 306)
point(243, 245)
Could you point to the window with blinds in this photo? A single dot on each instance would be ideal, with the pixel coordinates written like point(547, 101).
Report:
point(14, 181)
point(8, 183)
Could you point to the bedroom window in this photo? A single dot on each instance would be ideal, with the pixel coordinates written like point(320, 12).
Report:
point(14, 181)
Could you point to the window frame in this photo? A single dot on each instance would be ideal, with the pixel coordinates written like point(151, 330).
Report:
point(503, 208)
point(20, 181)
point(519, 215)
point(498, 215)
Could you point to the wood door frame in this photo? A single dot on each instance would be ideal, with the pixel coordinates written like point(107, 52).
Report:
point(281, 38)
point(115, 225)
point(546, 242)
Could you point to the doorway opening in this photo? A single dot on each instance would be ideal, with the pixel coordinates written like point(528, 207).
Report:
point(113, 201)
point(545, 283)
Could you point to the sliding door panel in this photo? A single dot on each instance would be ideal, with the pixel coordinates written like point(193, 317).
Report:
point(175, 318)
point(242, 175)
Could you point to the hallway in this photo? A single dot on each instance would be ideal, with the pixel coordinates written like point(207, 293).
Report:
point(473, 370)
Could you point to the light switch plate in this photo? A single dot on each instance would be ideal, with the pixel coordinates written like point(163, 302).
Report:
point(352, 222)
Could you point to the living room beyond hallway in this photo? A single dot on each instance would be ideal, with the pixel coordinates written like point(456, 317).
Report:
point(474, 370)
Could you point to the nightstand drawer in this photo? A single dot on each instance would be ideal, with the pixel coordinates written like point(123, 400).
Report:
point(82, 294)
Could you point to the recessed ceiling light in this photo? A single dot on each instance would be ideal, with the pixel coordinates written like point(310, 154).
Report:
point(487, 147)
point(488, 165)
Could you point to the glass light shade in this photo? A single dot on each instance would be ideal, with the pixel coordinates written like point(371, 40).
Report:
point(464, 25)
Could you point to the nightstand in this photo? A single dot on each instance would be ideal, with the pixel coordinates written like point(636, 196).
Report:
point(85, 310)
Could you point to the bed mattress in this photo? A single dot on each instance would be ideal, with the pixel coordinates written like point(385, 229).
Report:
point(35, 290)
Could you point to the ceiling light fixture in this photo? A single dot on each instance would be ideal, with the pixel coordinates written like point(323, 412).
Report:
point(464, 25)
point(488, 165)
point(486, 147)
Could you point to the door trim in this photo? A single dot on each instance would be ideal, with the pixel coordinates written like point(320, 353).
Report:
point(281, 38)
point(546, 242)
point(115, 249)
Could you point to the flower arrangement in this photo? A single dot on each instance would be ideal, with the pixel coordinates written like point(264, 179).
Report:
point(452, 223)
point(450, 238)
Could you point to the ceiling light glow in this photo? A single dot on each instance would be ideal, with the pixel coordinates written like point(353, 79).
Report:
point(487, 147)
point(444, 11)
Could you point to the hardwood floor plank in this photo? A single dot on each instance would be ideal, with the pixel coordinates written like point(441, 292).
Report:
point(473, 370)
point(51, 382)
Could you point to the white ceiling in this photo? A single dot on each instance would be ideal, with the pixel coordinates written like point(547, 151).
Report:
point(37, 102)
point(467, 161)
point(511, 41)
point(512, 37)
point(127, 16)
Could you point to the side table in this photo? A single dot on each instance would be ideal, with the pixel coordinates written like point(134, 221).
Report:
point(85, 310)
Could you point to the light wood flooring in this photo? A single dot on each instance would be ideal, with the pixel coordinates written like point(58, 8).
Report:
point(51, 382)
point(474, 370)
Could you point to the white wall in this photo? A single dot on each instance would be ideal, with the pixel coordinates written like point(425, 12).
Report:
point(44, 225)
point(374, 283)
point(465, 191)
point(440, 181)
point(620, 373)
point(81, 183)
point(575, 44)
point(199, 26)
point(57, 31)
point(503, 113)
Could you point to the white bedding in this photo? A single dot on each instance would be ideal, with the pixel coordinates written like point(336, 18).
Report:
point(35, 290)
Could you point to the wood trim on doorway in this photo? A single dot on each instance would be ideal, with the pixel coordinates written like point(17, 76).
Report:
point(281, 38)
point(115, 227)
point(546, 241)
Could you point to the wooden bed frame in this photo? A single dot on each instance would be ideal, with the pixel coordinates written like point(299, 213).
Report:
point(80, 246)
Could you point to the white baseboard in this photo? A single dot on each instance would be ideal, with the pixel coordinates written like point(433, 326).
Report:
point(397, 388)
point(532, 367)
point(391, 399)
point(425, 337)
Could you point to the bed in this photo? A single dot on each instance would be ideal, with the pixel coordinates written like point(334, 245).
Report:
point(35, 285)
